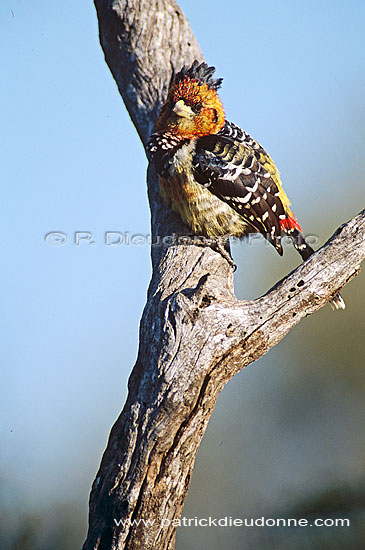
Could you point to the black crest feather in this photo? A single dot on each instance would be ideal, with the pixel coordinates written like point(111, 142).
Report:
point(201, 72)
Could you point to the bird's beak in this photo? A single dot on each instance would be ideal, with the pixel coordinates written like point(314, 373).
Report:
point(183, 110)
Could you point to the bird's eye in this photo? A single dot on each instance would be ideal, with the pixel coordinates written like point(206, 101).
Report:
point(197, 107)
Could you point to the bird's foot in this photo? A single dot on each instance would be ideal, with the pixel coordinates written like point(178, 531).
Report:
point(218, 247)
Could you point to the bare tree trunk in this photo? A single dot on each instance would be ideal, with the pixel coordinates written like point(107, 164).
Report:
point(194, 334)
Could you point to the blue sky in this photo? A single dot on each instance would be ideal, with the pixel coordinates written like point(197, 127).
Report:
point(72, 162)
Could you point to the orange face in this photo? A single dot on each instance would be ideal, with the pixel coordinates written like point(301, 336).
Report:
point(192, 109)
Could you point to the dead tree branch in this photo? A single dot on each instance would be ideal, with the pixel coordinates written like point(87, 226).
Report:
point(194, 334)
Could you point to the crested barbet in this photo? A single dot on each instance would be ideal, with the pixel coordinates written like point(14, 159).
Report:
point(219, 180)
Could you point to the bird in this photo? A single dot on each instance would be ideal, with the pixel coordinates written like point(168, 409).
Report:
point(218, 178)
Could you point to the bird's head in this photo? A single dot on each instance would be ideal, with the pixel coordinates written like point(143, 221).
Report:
point(192, 108)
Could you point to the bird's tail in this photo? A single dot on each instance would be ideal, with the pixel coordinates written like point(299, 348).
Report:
point(337, 302)
point(305, 250)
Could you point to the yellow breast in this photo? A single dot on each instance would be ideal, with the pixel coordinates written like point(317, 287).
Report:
point(199, 209)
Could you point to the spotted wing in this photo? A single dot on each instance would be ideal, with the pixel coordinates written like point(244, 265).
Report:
point(231, 171)
point(160, 148)
point(234, 132)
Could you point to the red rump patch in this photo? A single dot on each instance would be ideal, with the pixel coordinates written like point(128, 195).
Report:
point(289, 223)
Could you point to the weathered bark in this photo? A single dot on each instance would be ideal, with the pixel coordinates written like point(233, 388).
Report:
point(194, 334)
